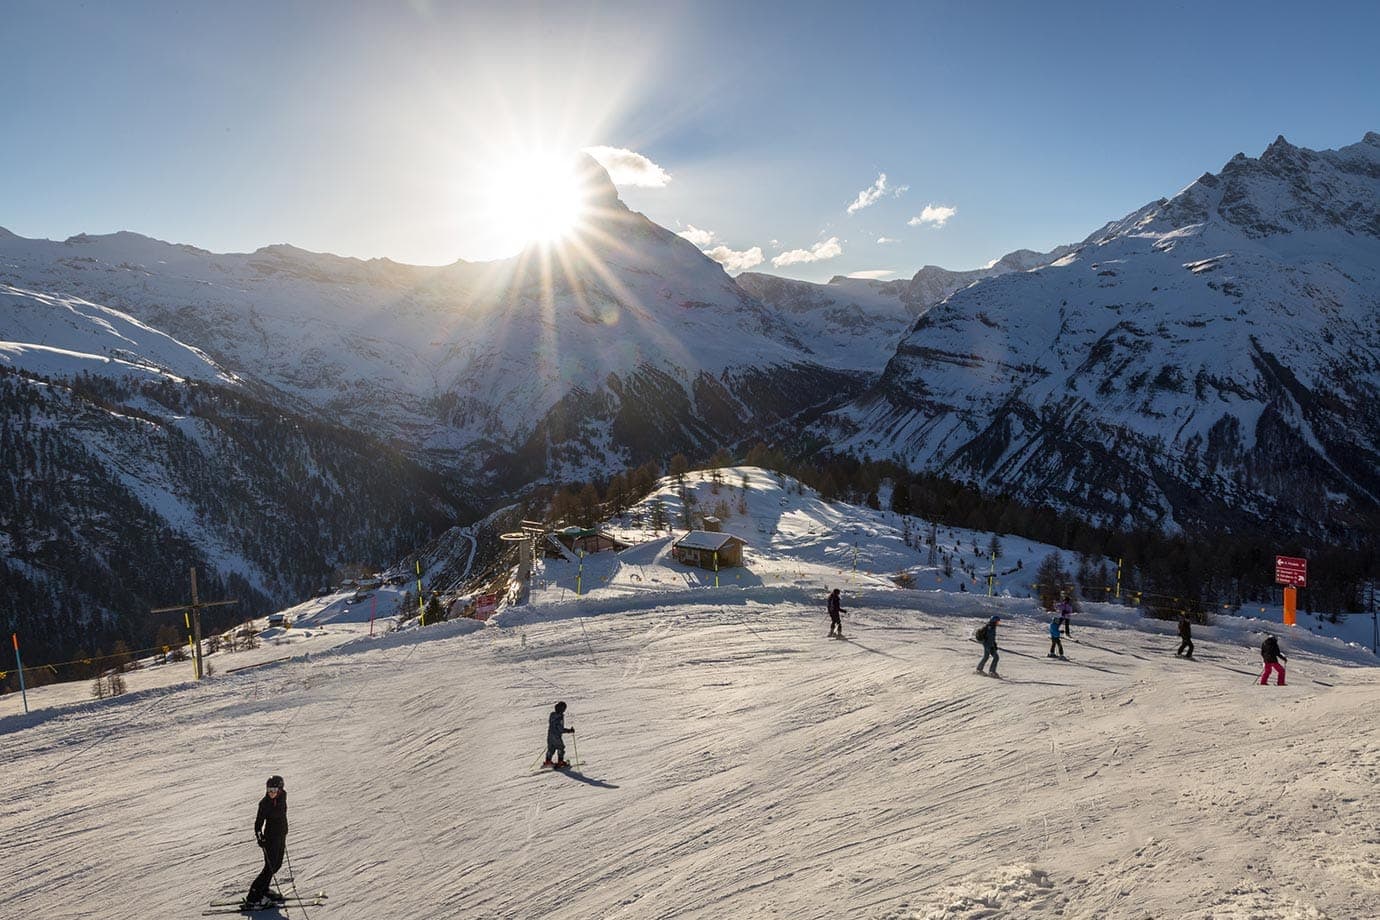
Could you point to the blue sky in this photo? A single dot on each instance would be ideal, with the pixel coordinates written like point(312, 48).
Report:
point(373, 129)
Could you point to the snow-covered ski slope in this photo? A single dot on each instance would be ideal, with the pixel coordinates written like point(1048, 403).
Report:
point(736, 763)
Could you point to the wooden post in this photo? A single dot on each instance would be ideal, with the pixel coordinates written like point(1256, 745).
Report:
point(194, 609)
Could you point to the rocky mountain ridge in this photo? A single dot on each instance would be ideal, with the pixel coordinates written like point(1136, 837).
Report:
point(1210, 359)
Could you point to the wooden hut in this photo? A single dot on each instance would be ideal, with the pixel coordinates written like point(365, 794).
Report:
point(706, 549)
point(584, 540)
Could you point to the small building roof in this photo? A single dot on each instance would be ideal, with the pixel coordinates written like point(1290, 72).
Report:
point(704, 539)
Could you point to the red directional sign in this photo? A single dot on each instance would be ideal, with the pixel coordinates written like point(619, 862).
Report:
point(1291, 570)
point(485, 605)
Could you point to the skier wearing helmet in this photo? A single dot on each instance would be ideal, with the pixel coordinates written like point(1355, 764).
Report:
point(270, 829)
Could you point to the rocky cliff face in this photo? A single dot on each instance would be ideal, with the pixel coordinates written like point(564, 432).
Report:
point(1212, 358)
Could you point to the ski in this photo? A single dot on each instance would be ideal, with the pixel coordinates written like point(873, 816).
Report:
point(212, 911)
point(235, 902)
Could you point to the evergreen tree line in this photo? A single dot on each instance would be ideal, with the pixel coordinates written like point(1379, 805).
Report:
point(85, 551)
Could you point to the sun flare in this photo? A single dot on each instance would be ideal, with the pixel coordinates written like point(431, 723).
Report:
point(535, 197)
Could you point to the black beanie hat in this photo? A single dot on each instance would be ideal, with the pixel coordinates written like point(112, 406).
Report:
point(275, 782)
point(560, 707)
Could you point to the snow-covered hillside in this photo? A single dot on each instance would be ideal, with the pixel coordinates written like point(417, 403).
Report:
point(1209, 359)
point(732, 761)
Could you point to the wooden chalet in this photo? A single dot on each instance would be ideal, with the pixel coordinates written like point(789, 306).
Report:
point(585, 540)
point(705, 549)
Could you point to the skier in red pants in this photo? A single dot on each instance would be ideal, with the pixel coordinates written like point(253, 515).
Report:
point(1269, 651)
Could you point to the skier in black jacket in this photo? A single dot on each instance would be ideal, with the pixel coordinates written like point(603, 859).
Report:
point(270, 829)
point(1272, 656)
point(989, 646)
point(1186, 635)
point(555, 740)
point(834, 610)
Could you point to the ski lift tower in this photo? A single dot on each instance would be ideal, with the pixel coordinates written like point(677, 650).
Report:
point(526, 539)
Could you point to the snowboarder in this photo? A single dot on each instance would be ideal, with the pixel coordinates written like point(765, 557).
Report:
point(1269, 651)
point(1055, 643)
point(1065, 611)
point(1186, 636)
point(270, 829)
point(988, 635)
point(834, 610)
point(555, 737)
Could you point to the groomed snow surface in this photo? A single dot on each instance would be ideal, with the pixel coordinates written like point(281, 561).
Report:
point(736, 763)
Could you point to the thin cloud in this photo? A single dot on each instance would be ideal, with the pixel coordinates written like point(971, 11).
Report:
point(936, 215)
point(629, 168)
point(736, 261)
point(700, 238)
point(871, 195)
point(872, 274)
point(868, 196)
point(886, 239)
point(828, 249)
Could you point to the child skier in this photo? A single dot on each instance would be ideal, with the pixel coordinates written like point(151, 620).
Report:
point(834, 610)
point(1054, 641)
point(555, 737)
point(988, 635)
point(1269, 651)
point(270, 829)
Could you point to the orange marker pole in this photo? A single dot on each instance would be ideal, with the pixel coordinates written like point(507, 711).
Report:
point(1290, 604)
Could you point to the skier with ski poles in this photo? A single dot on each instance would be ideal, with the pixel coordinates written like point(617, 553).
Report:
point(834, 610)
point(1272, 656)
point(270, 830)
point(555, 737)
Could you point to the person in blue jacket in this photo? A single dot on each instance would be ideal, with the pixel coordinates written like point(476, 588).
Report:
point(1055, 643)
point(989, 646)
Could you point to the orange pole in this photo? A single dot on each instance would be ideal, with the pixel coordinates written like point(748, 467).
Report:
point(1290, 604)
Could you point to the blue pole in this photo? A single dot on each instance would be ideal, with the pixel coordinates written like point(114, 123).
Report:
point(20, 664)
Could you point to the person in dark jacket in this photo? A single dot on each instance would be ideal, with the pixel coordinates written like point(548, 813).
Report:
point(270, 829)
point(1065, 609)
point(989, 646)
point(1269, 651)
point(555, 737)
point(834, 611)
point(1185, 636)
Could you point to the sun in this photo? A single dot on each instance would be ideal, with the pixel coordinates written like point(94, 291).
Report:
point(534, 197)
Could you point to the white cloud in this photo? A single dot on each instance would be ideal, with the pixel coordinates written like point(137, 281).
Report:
point(936, 214)
point(869, 196)
point(828, 249)
point(886, 239)
point(626, 167)
point(872, 274)
point(697, 236)
point(735, 261)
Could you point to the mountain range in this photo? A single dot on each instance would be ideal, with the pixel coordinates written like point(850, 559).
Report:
point(1208, 360)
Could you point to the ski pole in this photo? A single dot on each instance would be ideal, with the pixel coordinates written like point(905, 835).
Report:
point(575, 749)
